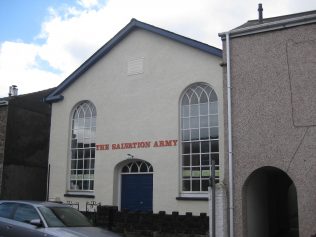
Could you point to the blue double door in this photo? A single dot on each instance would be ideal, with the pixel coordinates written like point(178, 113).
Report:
point(137, 192)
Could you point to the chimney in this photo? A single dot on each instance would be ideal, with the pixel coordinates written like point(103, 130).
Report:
point(260, 10)
point(13, 90)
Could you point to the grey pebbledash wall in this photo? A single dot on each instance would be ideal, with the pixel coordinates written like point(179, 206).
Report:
point(274, 114)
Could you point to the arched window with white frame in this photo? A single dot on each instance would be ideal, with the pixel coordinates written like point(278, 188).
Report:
point(82, 160)
point(199, 137)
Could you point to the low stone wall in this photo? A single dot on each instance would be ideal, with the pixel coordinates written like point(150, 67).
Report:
point(152, 224)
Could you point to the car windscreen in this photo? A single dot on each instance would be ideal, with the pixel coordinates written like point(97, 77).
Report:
point(6, 209)
point(64, 217)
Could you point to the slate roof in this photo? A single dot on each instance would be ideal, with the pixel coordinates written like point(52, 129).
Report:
point(275, 19)
point(273, 23)
point(32, 101)
point(56, 95)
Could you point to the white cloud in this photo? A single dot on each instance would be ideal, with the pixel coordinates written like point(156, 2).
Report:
point(19, 66)
point(88, 3)
point(17, 54)
point(72, 33)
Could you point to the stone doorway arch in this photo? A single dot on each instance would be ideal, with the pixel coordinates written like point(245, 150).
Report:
point(270, 204)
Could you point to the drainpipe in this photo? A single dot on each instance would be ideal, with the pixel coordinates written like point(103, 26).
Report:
point(230, 147)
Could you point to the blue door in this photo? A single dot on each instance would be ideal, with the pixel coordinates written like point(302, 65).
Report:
point(137, 192)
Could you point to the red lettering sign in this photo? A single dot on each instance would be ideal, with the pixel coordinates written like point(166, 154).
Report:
point(136, 145)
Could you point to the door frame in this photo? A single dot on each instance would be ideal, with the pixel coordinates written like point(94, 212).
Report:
point(118, 186)
point(148, 176)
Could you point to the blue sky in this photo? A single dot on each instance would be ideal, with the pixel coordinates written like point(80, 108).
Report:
point(21, 19)
point(43, 41)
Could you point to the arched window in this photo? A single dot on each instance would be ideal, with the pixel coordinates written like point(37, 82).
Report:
point(137, 167)
point(199, 137)
point(82, 147)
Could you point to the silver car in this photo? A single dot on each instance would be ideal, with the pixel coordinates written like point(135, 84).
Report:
point(34, 219)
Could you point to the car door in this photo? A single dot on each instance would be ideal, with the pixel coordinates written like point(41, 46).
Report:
point(21, 226)
point(6, 211)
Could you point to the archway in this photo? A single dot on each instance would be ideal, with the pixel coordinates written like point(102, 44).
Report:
point(270, 202)
point(137, 186)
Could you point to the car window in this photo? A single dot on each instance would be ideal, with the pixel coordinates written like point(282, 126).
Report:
point(6, 209)
point(67, 216)
point(25, 213)
point(50, 217)
point(71, 217)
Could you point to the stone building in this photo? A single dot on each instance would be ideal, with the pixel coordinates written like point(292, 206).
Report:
point(269, 72)
point(24, 137)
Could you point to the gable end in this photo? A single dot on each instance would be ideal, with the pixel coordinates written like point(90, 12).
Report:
point(56, 96)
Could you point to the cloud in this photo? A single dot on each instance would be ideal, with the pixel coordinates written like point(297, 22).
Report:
point(70, 34)
point(88, 3)
point(19, 66)
point(17, 54)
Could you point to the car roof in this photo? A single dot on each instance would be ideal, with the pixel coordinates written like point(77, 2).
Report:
point(36, 203)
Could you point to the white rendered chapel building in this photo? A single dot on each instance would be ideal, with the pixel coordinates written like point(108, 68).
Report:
point(136, 125)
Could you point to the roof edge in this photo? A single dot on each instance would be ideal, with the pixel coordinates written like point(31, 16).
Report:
point(179, 38)
point(53, 98)
point(89, 62)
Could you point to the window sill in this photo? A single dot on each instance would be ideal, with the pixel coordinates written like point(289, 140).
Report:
point(192, 198)
point(79, 195)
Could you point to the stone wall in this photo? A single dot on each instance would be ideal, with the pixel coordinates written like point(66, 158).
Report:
point(24, 182)
point(3, 124)
point(26, 147)
point(152, 224)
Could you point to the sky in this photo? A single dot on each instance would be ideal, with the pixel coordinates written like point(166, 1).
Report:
point(44, 41)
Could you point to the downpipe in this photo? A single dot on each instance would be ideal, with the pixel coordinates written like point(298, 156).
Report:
point(230, 147)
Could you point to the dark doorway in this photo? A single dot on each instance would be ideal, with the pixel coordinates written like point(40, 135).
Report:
point(270, 204)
